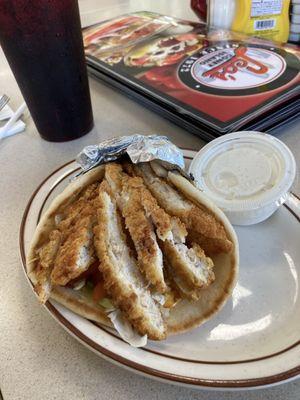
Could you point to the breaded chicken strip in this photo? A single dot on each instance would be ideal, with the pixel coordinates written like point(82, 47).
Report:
point(78, 209)
point(127, 190)
point(65, 220)
point(122, 278)
point(211, 247)
point(76, 254)
point(210, 234)
point(43, 270)
point(180, 287)
point(166, 227)
point(142, 233)
point(68, 216)
point(191, 268)
point(114, 174)
point(189, 265)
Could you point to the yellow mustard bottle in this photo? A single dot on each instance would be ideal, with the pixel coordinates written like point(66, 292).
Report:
point(268, 19)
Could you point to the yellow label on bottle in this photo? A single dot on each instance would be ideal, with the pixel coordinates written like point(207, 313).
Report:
point(264, 18)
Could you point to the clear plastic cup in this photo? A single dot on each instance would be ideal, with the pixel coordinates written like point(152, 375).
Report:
point(247, 174)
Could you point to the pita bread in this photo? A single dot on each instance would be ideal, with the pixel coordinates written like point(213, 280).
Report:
point(67, 297)
point(185, 315)
point(81, 305)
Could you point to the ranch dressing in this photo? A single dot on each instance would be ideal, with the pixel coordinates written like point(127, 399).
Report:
point(247, 174)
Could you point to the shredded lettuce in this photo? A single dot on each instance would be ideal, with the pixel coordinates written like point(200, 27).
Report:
point(87, 290)
point(106, 303)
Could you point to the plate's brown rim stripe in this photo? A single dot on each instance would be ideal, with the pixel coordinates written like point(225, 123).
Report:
point(297, 197)
point(148, 370)
point(188, 149)
point(292, 212)
point(200, 361)
point(166, 375)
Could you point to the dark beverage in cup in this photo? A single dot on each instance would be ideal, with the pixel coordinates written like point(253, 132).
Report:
point(42, 42)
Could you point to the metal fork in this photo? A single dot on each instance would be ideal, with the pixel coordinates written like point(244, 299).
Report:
point(3, 101)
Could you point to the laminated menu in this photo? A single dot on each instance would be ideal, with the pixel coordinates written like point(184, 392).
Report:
point(209, 81)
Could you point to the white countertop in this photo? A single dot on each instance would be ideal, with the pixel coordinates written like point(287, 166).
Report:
point(38, 359)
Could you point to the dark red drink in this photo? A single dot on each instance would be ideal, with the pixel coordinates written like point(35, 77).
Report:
point(42, 41)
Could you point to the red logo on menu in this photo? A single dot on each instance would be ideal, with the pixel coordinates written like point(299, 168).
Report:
point(240, 60)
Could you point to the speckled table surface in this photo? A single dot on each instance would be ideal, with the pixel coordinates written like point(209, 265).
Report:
point(38, 359)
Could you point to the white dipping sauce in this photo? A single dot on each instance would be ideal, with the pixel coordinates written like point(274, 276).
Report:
point(247, 174)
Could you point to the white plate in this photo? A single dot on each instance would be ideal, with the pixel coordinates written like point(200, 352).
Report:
point(252, 342)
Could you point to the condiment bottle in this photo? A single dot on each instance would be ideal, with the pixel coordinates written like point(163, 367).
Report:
point(268, 19)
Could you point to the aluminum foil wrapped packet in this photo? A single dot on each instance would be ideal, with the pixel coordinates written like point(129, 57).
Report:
point(139, 148)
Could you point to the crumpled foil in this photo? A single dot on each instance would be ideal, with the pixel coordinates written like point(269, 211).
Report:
point(139, 148)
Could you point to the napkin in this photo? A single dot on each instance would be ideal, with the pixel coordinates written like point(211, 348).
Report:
point(5, 114)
